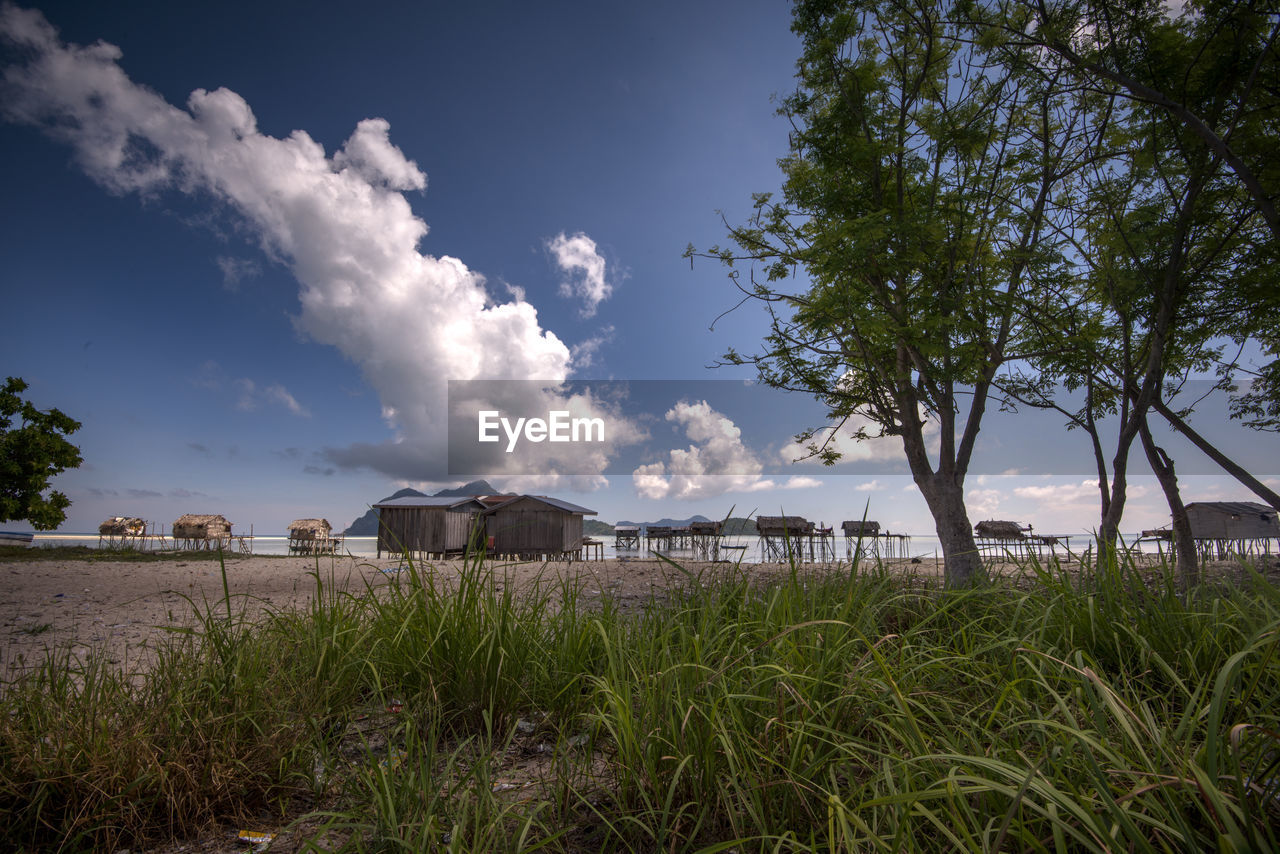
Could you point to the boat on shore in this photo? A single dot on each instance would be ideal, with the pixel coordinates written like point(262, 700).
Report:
point(13, 538)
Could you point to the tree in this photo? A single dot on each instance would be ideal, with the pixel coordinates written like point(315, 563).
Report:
point(1116, 45)
point(914, 203)
point(31, 452)
point(1177, 238)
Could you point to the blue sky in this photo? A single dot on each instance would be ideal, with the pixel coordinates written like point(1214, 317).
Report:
point(256, 310)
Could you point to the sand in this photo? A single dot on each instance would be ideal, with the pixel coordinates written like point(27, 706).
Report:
point(125, 608)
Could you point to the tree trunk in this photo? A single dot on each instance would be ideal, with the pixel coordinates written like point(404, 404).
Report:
point(1109, 529)
point(1186, 561)
point(959, 549)
point(1228, 465)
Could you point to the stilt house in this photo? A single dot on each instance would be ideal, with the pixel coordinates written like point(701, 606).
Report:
point(427, 524)
point(1224, 528)
point(535, 526)
point(201, 531)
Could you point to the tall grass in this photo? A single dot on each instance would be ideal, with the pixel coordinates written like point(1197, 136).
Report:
point(840, 711)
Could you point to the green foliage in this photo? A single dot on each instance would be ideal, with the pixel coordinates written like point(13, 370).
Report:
point(1180, 211)
point(910, 250)
point(32, 450)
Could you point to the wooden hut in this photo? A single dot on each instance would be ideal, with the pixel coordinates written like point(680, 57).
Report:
point(792, 538)
point(420, 525)
point(861, 538)
point(626, 537)
point(201, 531)
point(660, 536)
point(535, 526)
point(122, 532)
point(1222, 529)
point(999, 540)
point(312, 536)
point(123, 526)
point(783, 525)
point(995, 529)
point(860, 529)
point(704, 539)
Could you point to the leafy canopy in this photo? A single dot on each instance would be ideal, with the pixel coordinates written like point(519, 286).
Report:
point(32, 450)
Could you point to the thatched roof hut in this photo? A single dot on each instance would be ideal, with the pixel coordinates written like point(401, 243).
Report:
point(705, 528)
point(861, 529)
point(309, 529)
point(999, 530)
point(779, 525)
point(194, 526)
point(123, 526)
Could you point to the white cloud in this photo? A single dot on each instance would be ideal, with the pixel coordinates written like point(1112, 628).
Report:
point(717, 462)
point(235, 270)
point(279, 394)
point(252, 397)
point(983, 503)
point(342, 225)
point(870, 486)
point(846, 442)
point(801, 482)
point(584, 268)
point(584, 353)
point(370, 153)
point(1072, 493)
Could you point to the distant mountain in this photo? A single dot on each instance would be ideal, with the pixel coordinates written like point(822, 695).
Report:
point(736, 526)
point(475, 487)
point(672, 523)
point(367, 525)
point(596, 528)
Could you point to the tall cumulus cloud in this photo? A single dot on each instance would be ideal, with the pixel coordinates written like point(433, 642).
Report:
point(341, 223)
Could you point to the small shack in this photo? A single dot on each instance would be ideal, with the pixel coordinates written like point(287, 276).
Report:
point(197, 531)
point(118, 526)
point(861, 538)
point(659, 536)
point(1000, 539)
point(996, 529)
point(122, 532)
point(1223, 529)
point(626, 537)
point(427, 525)
point(535, 527)
point(793, 538)
point(312, 537)
point(704, 539)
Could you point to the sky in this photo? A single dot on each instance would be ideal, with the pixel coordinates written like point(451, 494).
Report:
point(250, 247)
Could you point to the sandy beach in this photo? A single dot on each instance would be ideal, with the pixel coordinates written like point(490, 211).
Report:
point(125, 607)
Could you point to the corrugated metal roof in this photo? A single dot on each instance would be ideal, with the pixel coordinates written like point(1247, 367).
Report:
point(546, 499)
point(1237, 508)
point(427, 501)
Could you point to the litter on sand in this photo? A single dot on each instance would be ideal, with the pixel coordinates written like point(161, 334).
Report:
point(257, 838)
